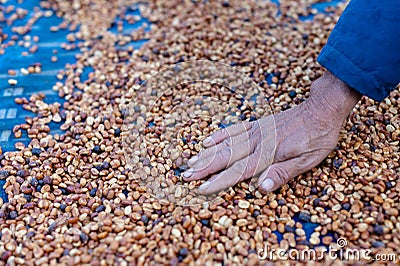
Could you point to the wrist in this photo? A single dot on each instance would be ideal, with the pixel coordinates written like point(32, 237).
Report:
point(333, 97)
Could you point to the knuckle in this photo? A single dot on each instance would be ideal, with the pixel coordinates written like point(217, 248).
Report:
point(264, 157)
point(244, 168)
point(253, 143)
point(282, 176)
point(226, 143)
point(221, 134)
point(238, 169)
point(223, 155)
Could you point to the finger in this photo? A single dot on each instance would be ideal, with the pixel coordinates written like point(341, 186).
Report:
point(228, 132)
point(220, 160)
point(213, 150)
point(239, 171)
point(280, 173)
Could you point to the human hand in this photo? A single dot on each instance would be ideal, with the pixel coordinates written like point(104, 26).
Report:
point(280, 147)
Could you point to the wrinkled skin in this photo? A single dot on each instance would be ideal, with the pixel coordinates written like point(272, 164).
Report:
point(278, 148)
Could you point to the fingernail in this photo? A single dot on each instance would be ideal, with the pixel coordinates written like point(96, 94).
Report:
point(194, 159)
point(188, 173)
point(207, 141)
point(268, 184)
point(205, 185)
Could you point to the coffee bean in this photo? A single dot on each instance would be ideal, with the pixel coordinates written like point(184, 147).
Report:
point(36, 151)
point(100, 208)
point(63, 207)
point(93, 192)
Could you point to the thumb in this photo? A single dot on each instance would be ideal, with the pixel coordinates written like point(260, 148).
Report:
point(280, 173)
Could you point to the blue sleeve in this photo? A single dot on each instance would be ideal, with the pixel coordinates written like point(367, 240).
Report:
point(363, 49)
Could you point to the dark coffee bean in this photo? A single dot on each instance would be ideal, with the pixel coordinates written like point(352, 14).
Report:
point(281, 202)
point(125, 112)
point(71, 189)
point(378, 229)
point(52, 227)
point(47, 180)
point(378, 244)
point(13, 215)
point(346, 206)
point(290, 229)
point(314, 190)
point(5, 255)
point(172, 222)
point(370, 122)
point(98, 168)
point(28, 197)
point(249, 196)
point(304, 242)
point(305, 217)
point(292, 94)
point(96, 149)
point(184, 140)
point(22, 173)
point(64, 191)
point(389, 185)
point(83, 237)
point(205, 222)
point(100, 208)
point(4, 174)
point(126, 192)
point(183, 252)
point(156, 221)
point(198, 102)
point(337, 162)
point(92, 192)
point(36, 151)
point(145, 219)
point(316, 202)
point(256, 213)
point(105, 165)
point(63, 207)
point(117, 132)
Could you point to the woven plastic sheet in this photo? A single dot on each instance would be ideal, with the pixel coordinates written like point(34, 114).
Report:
point(49, 44)
point(12, 114)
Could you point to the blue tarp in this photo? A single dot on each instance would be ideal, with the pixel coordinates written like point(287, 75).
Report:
point(12, 114)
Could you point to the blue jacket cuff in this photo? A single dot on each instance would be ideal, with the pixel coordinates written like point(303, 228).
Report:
point(350, 73)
